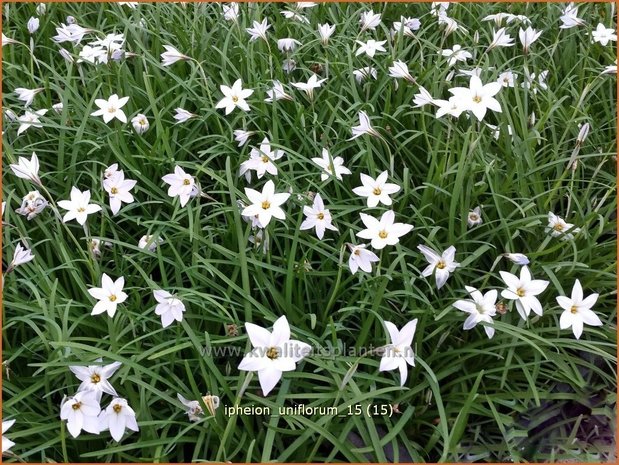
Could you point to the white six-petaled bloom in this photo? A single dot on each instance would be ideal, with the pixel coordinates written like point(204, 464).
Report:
point(261, 160)
point(370, 47)
point(441, 265)
point(81, 412)
point(259, 30)
point(181, 184)
point(517, 258)
point(95, 378)
point(6, 442)
point(231, 11)
point(455, 54)
point(481, 308)
point(399, 70)
point(150, 242)
point(507, 78)
point(169, 307)
point(111, 108)
point(140, 123)
point(325, 31)
point(287, 44)
point(331, 166)
point(277, 92)
point(117, 417)
point(364, 73)
point(109, 295)
point(32, 204)
point(474, 217)
point(171, 56)
point(569, 17)
point(365, 127)
point(242, 136)
point(422, 98)
point(523, 290)
point(501, 38)
point(369, 20)
point(29, 119)
point(558, 227)
point(527, 37)
point(234, 97)
point(33, 25)
point(361, 257)
point(577, 310)
point(603, 35)
point(383, 232)
point(399, 352)
point(21, 255)
point(312, 83)
point(478, 97)
point(27, 95)
point(181, 115)
point(79, 207)
point(376, 190)
point(265, 204)
point(119, 189)
point(273, 353)
point(317, 216)
point(27, 169)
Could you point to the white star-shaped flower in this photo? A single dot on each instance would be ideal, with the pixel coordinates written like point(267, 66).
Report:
point(577, 310)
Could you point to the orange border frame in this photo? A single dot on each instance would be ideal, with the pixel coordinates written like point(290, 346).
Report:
point(616, 2)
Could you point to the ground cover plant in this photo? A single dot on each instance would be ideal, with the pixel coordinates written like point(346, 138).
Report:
point(309, 232)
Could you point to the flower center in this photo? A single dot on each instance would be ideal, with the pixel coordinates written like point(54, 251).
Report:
point(81, 210)
point(113, 190)
point(558, 227)
point(113, 298)
point(477, 99)
point(272, 353)
point(357, 252)
point(94, 379)
point(473, 217)
point(441, 264)
point(376, 191)
point(266, 205)
point(383, 234)
point(520, 292)
point(321, 216)
point(574, 309)
point(111, 110)
point(77, 406)
point(186, 182)
point(265, 159)
point(117, 408)
point(235, 99)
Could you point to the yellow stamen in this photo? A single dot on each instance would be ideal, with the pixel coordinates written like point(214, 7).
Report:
point(272, 353)
point(574, 309)
point(95, 378)
point(383, 234)
point(266, 205)
point(376, 191)
point(117, 408)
